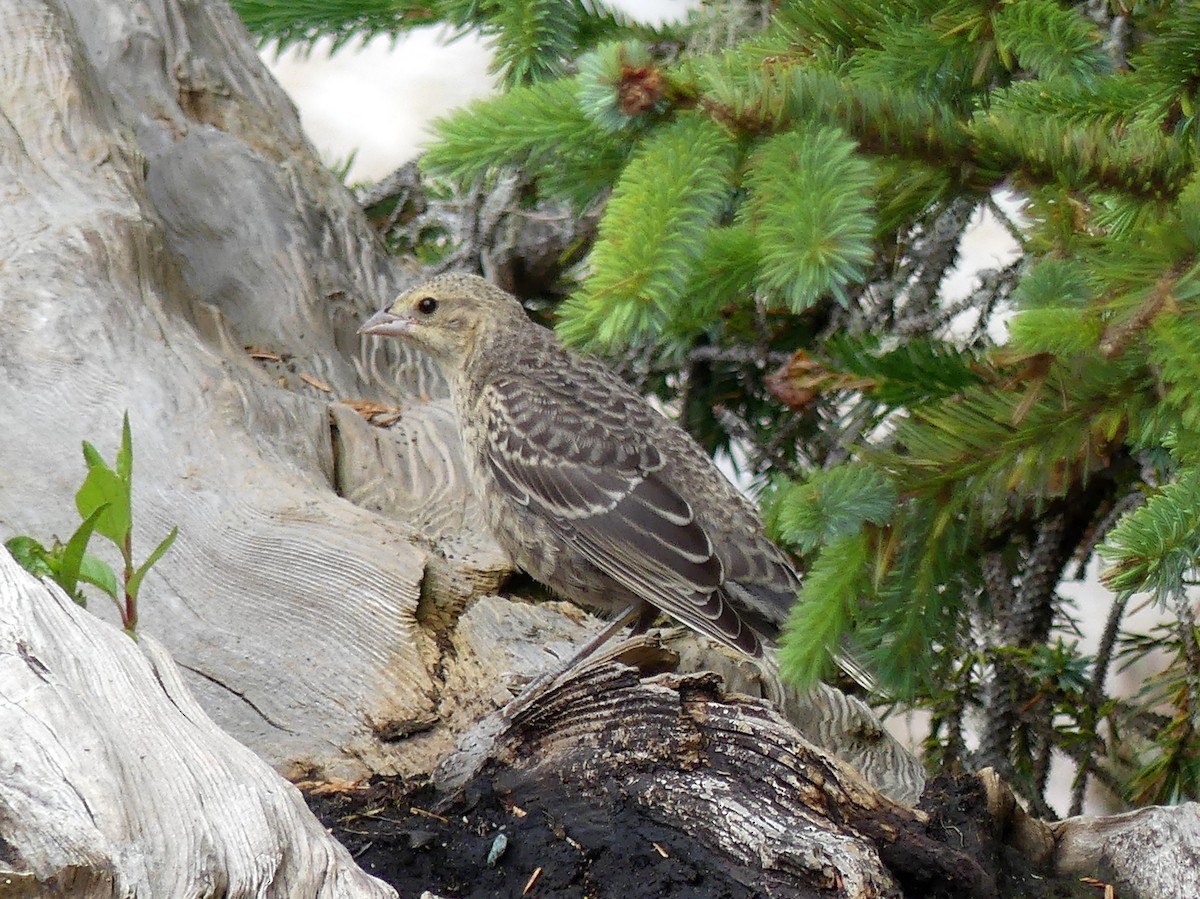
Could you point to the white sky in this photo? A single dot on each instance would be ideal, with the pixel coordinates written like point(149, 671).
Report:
point(379, 98)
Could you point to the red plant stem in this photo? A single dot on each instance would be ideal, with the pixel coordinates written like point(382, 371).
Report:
point(129, 617)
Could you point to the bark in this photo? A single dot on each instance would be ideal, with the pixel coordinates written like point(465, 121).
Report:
point(756, 800)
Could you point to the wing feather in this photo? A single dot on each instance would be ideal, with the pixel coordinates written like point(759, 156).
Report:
point(601, 489)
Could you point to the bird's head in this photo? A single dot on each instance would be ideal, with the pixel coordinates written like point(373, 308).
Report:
point(447, 316)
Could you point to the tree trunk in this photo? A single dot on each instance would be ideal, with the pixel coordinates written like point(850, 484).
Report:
point(162, 214)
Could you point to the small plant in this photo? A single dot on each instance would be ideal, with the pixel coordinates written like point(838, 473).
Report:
point(105, 507)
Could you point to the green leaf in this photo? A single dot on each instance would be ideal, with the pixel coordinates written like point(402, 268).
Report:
point(73, 552)
point(135, 582)
point(653, 229)
point(1051, 41)
point(103, 487)
point(533, 37)
point(1061, 331)
point(98, 573)
point(833, 504)
point(810, 209)
point(125, 453)
point(1155, 545)
point(1055, 284)
point(539, 129)
point(92, 456)
point(833, 586)
point(303, 22)
point(30, 555)
point(918, 371)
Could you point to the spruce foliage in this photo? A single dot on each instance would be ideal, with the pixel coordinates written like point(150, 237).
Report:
point(784, 189)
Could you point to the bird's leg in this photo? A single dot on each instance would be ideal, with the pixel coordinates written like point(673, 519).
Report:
point(632, 614)
point(645, 618)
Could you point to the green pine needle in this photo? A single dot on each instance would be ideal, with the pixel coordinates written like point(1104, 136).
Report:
point(652, 231)
point(1051, 41)
point(833, 587)
point(539, 129)
point(831, 505)
point(810, 208)
point(1154, 546)
point(533, 38)
point(1062, 331)
point(302, 23)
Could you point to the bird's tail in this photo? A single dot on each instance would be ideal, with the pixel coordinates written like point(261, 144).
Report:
point(855, 669)
point(848, 728)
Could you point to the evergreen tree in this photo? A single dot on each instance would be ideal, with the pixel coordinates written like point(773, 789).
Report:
point(782, 190)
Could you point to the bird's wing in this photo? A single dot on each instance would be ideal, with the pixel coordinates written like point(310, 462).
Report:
point(762, 579)
point(596, 483)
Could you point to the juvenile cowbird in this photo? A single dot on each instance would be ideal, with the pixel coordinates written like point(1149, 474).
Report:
point(586, 486)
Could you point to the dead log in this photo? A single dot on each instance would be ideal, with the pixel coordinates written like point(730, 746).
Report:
point(114, 782)
point(672, 760)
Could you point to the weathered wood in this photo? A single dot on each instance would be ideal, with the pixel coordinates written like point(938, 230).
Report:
point(162, 211)
point(1150, 852)
point(326, 599)
point(836, 722)
point(114, 782)
point(725, 772)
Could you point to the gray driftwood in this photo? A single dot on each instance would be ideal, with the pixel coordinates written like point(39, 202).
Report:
point(170, 245)
point(163, 212)
point(114, 782)
point(1148, 852)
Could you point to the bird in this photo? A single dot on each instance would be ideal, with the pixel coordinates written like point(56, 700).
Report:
point(590, 489)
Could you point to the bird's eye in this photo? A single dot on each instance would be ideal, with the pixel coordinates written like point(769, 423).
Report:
point(427, 305)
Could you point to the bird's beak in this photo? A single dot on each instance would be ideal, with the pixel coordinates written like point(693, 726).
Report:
point(386, 324)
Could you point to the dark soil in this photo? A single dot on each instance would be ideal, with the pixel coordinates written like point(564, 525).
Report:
point(393, 833)
point(957, 810)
